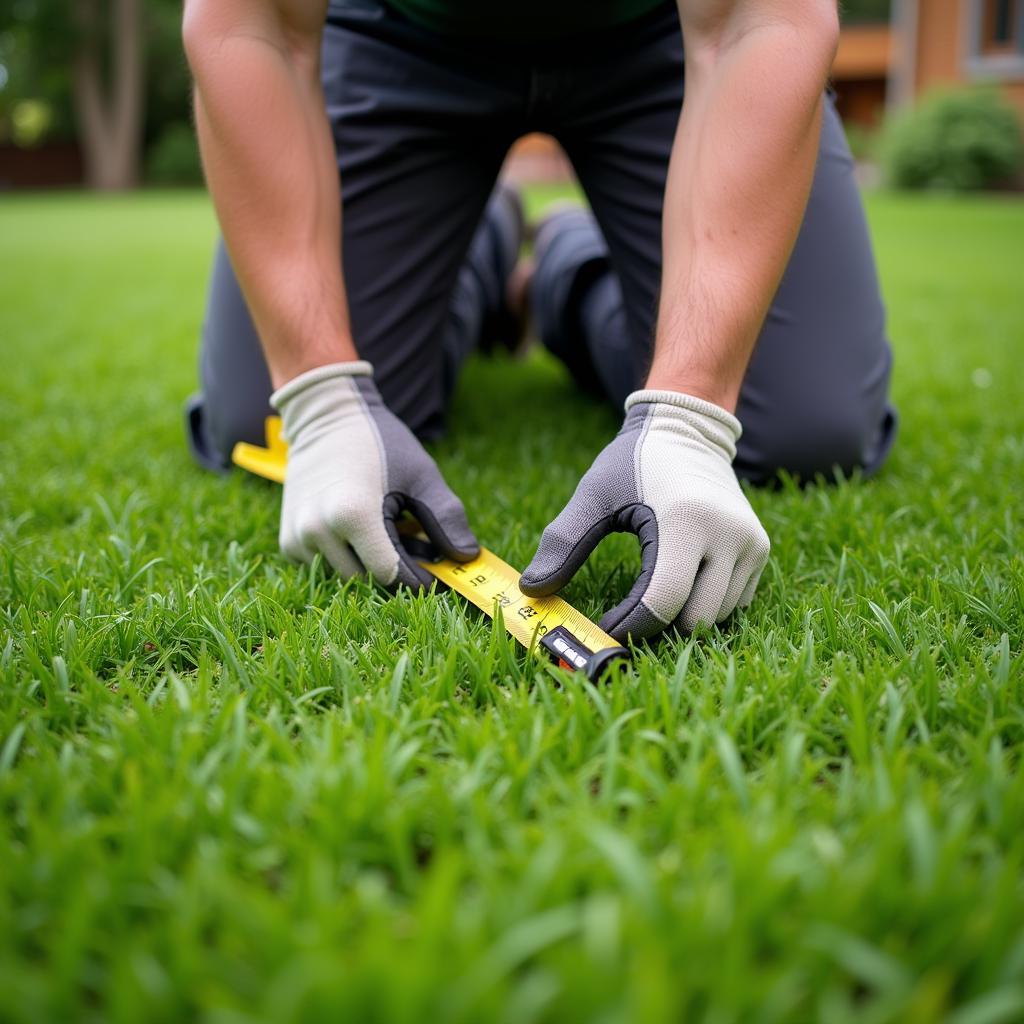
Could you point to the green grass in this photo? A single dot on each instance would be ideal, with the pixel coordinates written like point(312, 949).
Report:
point(232, 789)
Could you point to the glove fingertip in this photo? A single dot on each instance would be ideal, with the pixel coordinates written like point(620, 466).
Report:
point(748, 592)
point(451, 529)
point(462, 544)
point(463, 549)
point(544, 575)
point(635, 621)
point(536, 586)
point(561, 554)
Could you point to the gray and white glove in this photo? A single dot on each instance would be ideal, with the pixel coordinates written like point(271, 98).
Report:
point(353, 468)
point(668, 478)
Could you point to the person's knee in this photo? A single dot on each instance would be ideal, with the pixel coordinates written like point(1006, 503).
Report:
point(216, 423)
point(237, 422)
point(814, 440)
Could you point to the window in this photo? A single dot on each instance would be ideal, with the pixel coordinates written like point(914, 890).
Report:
point(995, 41)
point(1000, 32)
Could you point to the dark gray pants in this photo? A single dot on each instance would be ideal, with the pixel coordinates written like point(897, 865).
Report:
point(421, 125)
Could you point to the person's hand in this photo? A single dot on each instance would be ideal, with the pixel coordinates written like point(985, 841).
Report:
point(353, 468)
point(668, 478)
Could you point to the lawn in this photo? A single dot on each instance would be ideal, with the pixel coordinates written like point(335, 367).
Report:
point(232, 789)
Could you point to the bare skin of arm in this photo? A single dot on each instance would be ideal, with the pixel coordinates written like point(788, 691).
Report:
point(269, 162)
point(738, 181)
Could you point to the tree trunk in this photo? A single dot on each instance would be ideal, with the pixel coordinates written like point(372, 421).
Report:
point(109, 107)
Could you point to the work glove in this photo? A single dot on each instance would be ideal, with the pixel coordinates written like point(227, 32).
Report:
point(668, 478)
point(353, 468)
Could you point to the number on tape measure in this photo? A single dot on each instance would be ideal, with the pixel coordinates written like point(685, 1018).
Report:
point(553, 624)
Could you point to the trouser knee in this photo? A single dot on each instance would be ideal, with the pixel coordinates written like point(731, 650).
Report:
point(817, 441)
point(214, 426)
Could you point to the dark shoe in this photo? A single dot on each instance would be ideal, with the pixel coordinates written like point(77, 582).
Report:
point(198, 443)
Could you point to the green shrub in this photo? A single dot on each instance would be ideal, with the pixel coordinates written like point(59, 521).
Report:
point(957, 141)
point(174, 158)
point(863, 142)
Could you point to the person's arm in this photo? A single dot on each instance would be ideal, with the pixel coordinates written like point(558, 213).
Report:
point(269, 162)
point(738, 181)
point(353, 467)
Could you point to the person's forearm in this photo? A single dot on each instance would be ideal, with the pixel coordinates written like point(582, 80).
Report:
point(738, 182)
point(269, 163)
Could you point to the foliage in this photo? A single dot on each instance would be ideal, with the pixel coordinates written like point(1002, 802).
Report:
point(168, 80)
point(38, 39)
point(855, 12)
point(960, 140)
point(863, 142)
point(232, 789)
point(35, 74)
point(174, 158)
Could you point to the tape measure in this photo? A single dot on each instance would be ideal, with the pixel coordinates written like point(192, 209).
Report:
point(487, 582)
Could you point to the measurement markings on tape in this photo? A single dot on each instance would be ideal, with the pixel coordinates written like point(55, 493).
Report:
point(487, 582)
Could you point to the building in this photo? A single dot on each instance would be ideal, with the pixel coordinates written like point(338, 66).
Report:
point(860, 72)
point(880, 65)
point(929, 44)
point(957, 42)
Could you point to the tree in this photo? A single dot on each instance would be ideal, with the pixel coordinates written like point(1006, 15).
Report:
point(112, 72)
point(109, 107)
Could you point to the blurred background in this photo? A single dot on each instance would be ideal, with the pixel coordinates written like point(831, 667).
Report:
point(95, 94)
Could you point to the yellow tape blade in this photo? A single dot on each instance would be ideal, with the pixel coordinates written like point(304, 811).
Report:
point(486, 581)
